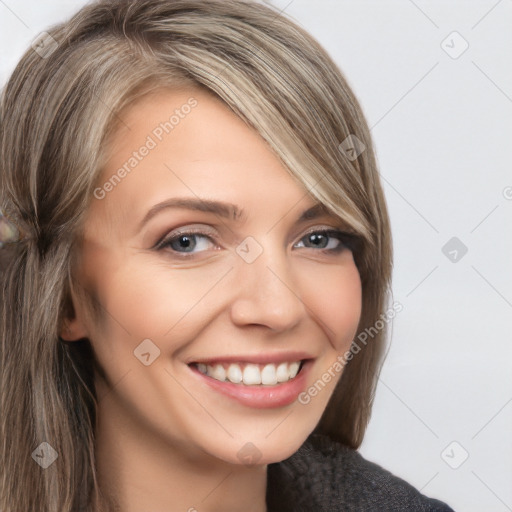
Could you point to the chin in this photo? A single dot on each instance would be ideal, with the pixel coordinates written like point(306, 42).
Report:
point(257, 450)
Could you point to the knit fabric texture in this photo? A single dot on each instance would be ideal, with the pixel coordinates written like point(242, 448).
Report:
point(326, 476)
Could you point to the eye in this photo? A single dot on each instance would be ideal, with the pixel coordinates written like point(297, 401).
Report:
point(187, 242)
point(192, 242)
point(328, 240)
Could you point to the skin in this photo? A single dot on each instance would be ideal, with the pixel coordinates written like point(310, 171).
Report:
point(165, 441)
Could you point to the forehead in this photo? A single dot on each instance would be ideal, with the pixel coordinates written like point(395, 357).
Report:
point(189, 143)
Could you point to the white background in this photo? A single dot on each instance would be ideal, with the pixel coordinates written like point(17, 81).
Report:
point(443, 132)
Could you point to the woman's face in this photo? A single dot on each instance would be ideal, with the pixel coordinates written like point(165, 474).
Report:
point(186, 284)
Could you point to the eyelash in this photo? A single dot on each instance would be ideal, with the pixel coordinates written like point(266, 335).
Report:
point(347, 240)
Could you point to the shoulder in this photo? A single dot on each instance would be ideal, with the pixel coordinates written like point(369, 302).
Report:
point(324, 475)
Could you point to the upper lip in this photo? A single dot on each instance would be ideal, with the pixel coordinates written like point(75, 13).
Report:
point(277, 357)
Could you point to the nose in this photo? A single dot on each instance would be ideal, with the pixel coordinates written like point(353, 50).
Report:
point(267, 292)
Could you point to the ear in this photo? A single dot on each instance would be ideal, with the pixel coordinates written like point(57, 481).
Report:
point(73, 327)
point(73, 330)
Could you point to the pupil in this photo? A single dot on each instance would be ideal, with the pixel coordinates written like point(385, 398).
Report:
point(185, 242)
point(316, 239)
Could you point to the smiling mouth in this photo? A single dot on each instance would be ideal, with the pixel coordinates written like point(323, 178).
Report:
point(250, 374)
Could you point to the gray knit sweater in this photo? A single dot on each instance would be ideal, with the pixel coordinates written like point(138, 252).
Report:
point(326, 476)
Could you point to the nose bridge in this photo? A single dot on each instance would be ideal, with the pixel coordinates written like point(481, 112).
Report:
point(267, 292)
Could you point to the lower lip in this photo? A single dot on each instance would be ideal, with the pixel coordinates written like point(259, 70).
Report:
point(261, 396)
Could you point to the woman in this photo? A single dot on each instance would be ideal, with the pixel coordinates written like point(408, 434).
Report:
point(196, 236)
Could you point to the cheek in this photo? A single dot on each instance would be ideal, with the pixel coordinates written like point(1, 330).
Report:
point(152, 299)
point(334, 297)
point(155, 300)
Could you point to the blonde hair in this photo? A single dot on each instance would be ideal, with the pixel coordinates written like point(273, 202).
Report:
point(57, 111)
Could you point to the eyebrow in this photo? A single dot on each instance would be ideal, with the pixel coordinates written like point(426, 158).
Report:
point(223, 209)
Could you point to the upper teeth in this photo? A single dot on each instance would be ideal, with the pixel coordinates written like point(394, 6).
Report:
point(251, 374)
